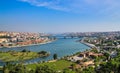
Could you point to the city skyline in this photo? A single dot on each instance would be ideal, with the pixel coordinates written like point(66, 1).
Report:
point(59, 15)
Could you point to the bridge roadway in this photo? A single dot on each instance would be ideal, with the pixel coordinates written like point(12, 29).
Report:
point(68, 36)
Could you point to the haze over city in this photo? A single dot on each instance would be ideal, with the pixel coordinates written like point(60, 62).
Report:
point(59, 15)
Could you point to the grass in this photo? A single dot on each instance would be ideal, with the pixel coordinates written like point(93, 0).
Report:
point(58, 65)
point(17, 56)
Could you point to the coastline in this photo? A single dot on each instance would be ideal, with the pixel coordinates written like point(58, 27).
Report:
point(28, 45)
point(87, 44)
point(46, 43)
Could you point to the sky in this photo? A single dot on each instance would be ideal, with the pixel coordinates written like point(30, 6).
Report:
point(59, 15)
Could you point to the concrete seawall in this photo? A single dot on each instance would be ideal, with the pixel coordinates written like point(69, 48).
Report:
point(88, 44)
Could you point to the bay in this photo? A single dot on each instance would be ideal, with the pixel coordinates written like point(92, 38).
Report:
point(61, 47)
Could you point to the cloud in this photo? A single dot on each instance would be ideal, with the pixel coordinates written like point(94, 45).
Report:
point(82, 6)
point(51, 4)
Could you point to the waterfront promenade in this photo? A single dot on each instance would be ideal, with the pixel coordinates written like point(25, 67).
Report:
point(88, 44)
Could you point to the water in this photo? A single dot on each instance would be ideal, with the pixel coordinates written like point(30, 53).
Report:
point(62, 47)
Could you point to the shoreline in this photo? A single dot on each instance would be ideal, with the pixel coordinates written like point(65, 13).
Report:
point(53, 59)
point(28, 45)
point(16, 58)
point(88, 44)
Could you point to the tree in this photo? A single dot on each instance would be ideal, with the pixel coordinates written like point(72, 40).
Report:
point(107, 55)
point(73, 66)
point(78, 61)
point(45, 69)
point(89, 70)
point(24, 50)
point(15, 68)
point(5, 69)
point(55, 56)
point(68, 71)
point(42, 52)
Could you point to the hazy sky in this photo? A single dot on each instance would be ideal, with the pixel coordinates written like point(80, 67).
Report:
point(59, 15)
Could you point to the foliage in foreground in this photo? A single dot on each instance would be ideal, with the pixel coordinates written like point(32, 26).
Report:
point(20, 68)
point(60, 66)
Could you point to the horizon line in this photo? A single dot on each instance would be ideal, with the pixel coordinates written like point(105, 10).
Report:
point(62, 32)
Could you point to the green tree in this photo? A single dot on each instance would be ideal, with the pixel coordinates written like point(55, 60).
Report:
point(73, 66)
point(45, 69)
point(68, 71)
point(42, 52)
point(24, 50)
point(78, 61)
point(89, 70)
point(15, 68)
point(55, 56)
point(107, 55)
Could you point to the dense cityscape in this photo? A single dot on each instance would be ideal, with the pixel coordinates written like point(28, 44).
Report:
point(16, 39)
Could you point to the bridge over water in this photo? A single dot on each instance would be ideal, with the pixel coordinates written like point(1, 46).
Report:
point(65, 37)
